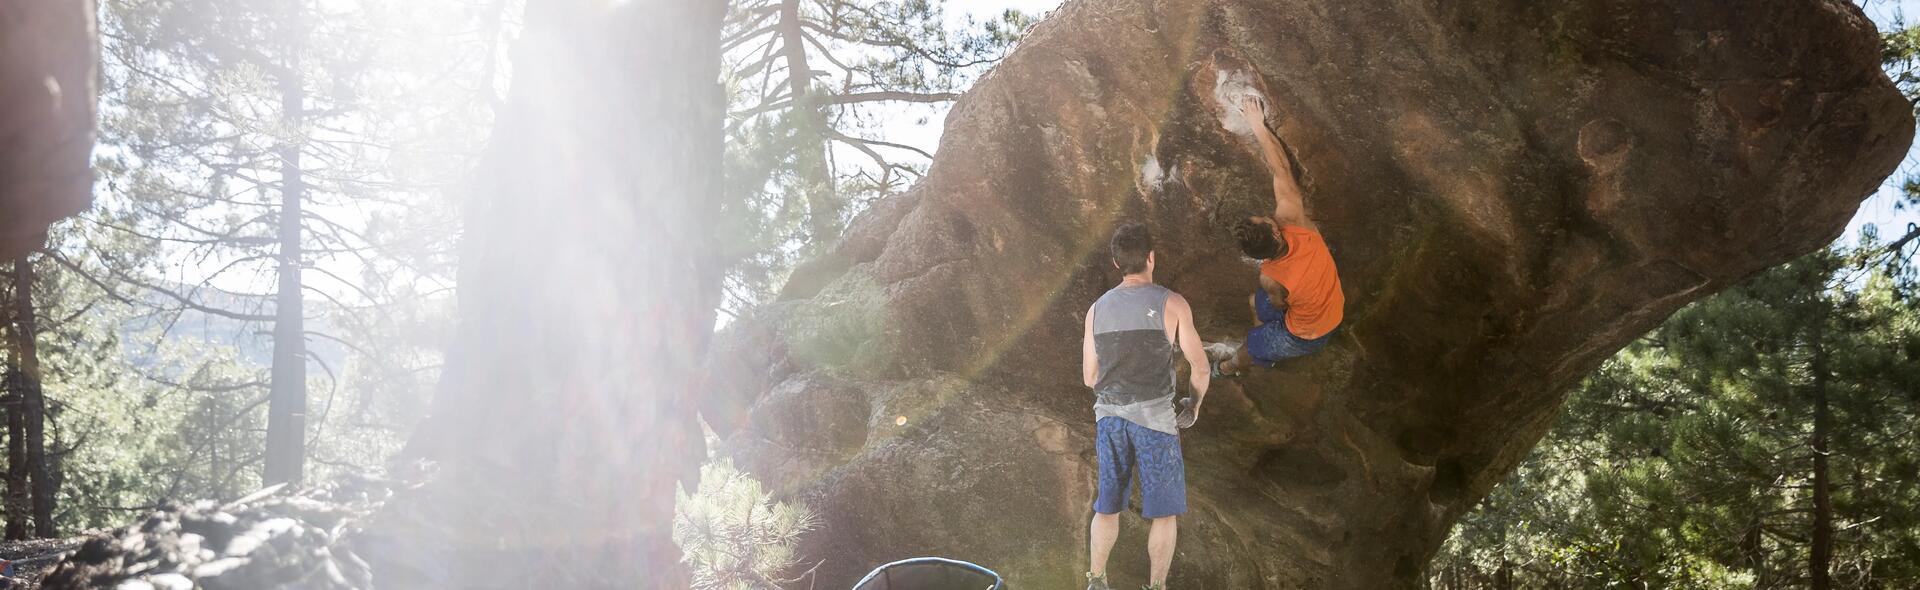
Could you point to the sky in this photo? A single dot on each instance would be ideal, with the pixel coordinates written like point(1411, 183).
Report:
point(923, 128)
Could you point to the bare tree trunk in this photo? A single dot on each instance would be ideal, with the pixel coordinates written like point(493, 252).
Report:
point(18, 498)
point(30, 492)
point(823, 204)
point(588, 281)
point(1755, 555)
point(287, 407)
point(32, 398)
point(1819, 563)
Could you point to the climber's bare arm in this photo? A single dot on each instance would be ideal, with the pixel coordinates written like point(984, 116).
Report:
point(1289, 206)
point(1180, 316)
point(1276, 294)
point(1089, 363)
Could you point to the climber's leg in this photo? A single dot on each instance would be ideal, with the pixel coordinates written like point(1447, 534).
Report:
point(1160, 540)
point(1103, 531)
point(1270, 342)
point(1163, 493)
point(1114, 452)
point(1269, 327)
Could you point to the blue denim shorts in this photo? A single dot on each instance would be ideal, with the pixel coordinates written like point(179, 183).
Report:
point(1270, 341)
point(1124, 449)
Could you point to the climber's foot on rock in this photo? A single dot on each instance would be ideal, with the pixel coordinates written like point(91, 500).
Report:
point(1219, 351)
point(1219, 372)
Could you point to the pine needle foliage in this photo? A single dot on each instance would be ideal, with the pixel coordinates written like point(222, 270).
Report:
point(734, 536)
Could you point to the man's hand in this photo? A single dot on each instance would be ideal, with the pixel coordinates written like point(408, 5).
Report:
point(1189, 412)
point(1254, 110)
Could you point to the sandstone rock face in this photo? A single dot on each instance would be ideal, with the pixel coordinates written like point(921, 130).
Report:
point(47, 93)
point(1513, 190)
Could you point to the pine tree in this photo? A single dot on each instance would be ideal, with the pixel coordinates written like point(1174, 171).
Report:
point(809, 84)
point(276, 142)
point(1762, 437)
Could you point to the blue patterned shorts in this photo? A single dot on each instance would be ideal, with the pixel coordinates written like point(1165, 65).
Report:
point(1271, 342)
point(1122, 446)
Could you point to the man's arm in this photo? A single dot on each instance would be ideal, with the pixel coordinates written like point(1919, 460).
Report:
point(1276, 293)
point(1200, 374)
point(1089, 363)
point(1289, 206)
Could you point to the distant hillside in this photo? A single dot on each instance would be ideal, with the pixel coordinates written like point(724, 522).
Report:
point(251, 341)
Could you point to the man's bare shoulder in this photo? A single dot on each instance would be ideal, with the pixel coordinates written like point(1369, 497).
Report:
point(1177, 303)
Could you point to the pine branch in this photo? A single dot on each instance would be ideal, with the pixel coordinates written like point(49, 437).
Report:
point(849, 139)
point(728, 44)
point(856, 97)
point(183, 300)
point(1894, 247)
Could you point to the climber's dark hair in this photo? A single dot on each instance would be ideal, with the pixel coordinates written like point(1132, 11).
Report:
point(1131, 244)
point(1256, 240)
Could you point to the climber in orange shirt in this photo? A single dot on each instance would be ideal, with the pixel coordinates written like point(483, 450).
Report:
point(1299, 302)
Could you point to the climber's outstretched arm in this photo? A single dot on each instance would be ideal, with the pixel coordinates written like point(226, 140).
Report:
point(1289, 206)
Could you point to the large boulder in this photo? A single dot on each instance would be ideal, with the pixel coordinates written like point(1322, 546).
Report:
point(48, 63)
point(1513, 190)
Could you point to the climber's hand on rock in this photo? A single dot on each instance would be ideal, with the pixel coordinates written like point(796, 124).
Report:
point(1254, 109)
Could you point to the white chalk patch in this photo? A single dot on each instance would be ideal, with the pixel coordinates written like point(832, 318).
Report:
point(1228, 89)
point(1150, 175)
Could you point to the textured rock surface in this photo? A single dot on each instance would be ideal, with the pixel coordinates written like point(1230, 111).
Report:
point(1513, 190)
point(47, 92)
point(274, 539)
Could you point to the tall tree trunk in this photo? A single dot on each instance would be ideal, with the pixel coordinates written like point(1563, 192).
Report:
point(18, 498)
point(1821, 556)
point(30, 492)
point(588, 282)
point(1755, 554)
point(32, 398)
point(811, 126)
point(287, 406)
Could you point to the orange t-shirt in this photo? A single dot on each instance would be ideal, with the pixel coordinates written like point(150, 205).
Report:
point(1315, 303)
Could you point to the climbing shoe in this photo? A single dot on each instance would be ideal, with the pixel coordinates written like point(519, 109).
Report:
point(1214, 366)
point(1219, 351)
point(1097, 582)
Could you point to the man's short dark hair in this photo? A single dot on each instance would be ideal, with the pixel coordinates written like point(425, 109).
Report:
point(1256, 240)
point(1131, 244)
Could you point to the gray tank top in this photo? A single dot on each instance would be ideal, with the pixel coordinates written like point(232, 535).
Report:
point(1136, 360)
